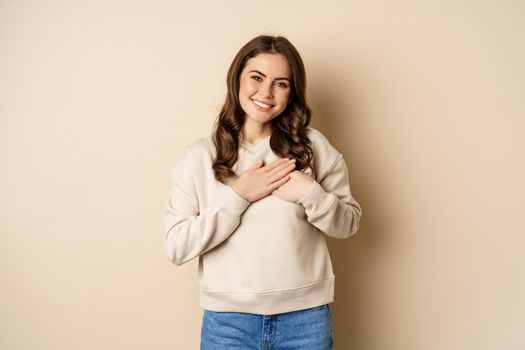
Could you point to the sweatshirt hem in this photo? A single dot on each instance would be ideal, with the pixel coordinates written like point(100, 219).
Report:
point(269, 302)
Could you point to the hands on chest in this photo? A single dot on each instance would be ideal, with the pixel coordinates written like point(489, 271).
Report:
point(278, 178)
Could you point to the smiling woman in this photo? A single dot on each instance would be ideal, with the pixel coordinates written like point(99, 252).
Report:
point(255, 201)
point(263, 96)
point(267, 70)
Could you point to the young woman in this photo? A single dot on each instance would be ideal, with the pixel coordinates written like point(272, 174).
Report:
point(255, 200)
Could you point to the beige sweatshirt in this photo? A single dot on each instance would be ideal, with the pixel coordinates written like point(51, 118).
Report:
point(265, 257)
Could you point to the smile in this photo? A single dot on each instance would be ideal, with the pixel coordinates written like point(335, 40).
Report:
point(262, 106)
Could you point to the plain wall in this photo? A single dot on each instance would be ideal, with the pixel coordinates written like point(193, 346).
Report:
point(423, 98)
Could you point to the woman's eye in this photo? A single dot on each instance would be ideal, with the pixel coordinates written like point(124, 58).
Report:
point(255, 77)
point(283, 85)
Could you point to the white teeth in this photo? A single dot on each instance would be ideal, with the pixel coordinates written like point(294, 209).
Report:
point(260, 104)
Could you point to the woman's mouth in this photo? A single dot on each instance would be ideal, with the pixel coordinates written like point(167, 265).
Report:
point(262, 106)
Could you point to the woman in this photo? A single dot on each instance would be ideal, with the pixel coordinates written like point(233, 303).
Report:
point(254, 201)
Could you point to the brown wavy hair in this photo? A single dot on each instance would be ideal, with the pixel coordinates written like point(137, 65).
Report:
point(289, 129)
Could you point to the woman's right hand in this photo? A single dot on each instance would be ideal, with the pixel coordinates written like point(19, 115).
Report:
point(257, 182)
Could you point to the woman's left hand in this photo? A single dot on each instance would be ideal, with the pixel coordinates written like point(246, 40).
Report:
point(296, 187)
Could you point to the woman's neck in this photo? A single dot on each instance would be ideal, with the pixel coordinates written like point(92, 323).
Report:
point(254, 133)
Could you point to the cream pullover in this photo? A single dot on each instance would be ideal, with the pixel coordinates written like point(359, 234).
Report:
point(266, 257)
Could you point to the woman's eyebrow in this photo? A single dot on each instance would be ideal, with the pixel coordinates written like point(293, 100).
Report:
point(280, 78)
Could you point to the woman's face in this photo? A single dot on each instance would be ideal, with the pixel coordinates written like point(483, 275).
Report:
point(265, 87)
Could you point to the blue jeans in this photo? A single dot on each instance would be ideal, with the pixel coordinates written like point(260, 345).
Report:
point(306, 329)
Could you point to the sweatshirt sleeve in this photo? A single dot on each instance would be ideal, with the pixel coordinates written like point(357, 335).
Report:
point(329, 204)
point(189, 233)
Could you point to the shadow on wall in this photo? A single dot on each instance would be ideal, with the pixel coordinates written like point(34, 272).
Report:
point(336, 113)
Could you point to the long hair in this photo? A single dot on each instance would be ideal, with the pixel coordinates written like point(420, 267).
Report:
point(289, 129)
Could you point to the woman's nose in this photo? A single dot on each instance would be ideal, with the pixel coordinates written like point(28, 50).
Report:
point(266, 90)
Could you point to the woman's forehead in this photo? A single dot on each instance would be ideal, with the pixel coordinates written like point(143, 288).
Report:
point(270, 64)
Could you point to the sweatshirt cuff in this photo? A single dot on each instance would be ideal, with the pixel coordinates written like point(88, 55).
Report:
point(316, 199)
point(230, 201)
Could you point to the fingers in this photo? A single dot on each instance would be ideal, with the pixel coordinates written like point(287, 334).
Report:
point(276, 163)
point(279, 183)
point(281, 170)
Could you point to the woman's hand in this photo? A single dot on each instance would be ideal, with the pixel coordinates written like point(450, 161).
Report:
point(256, 182)
point(296, 188)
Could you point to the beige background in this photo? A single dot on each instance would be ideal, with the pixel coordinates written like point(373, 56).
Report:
point(423, 98)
